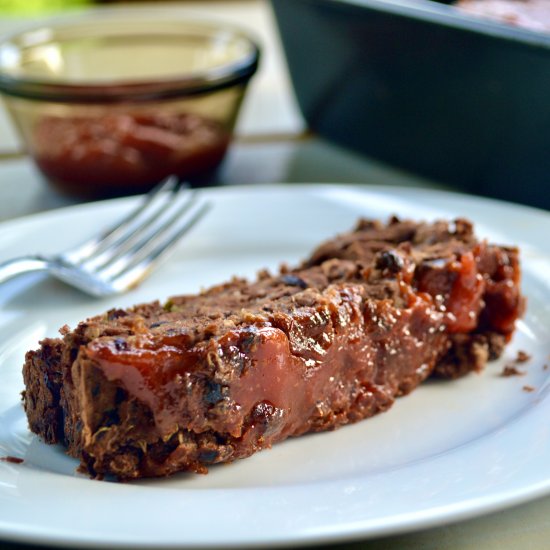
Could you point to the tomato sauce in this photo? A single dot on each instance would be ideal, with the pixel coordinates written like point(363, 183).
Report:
point(124, 154)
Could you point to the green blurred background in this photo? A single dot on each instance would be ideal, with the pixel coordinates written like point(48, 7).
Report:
point(30, 7)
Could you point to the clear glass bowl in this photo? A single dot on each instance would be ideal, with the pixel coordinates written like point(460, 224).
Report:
point(111, 101)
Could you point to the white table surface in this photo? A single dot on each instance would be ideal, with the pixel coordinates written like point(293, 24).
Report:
point(272, 146)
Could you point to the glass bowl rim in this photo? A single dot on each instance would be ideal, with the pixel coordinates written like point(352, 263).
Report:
point(200, 82)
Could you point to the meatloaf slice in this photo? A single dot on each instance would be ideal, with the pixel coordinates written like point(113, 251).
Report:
point(213, 377)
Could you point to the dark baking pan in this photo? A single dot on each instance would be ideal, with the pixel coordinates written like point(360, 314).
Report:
point(417, 84)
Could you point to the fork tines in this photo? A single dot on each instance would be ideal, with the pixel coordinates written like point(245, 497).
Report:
point(122, 255)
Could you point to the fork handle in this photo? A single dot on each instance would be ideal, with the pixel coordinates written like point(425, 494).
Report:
point(18, 266)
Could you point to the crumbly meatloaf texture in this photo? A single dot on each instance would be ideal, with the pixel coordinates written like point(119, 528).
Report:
point(209, 378)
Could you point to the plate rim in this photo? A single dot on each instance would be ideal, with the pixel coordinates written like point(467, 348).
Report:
point(299, 186)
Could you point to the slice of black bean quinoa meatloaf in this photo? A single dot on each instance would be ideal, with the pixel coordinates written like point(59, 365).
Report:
point(209, 378)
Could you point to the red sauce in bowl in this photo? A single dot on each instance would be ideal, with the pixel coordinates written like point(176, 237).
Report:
point(124, 154)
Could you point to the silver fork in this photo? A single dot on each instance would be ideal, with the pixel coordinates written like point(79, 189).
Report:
point(122, 256)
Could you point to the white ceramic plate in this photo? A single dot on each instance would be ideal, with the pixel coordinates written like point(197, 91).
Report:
point(449, 451)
